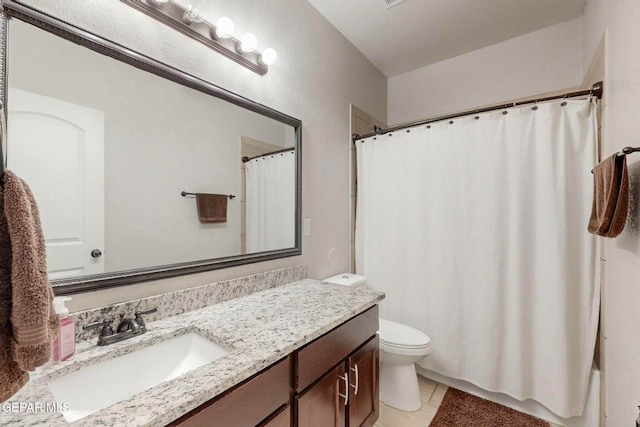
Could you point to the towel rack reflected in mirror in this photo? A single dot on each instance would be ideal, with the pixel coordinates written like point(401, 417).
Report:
point(185, 194)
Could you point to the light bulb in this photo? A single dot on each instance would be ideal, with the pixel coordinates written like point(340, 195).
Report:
point(193, 14)
point(224, 28)
point(248, 43)
point(269, 56)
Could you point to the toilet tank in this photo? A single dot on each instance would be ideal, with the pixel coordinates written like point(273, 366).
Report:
point(348, 279)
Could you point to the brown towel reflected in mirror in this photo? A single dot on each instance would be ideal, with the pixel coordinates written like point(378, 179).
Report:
point(610, 197)
point(212, 208)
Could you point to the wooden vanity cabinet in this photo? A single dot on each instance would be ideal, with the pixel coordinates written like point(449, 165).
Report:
point(336, 376)
point(332, 381)
point(262, 400)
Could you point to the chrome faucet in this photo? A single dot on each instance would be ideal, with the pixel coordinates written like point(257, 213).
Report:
point(127, 328)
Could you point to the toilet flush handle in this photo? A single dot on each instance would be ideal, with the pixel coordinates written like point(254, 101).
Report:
point(355, 393)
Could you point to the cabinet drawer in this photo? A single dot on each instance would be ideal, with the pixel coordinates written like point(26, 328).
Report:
point(320, 355)
point(247, 404)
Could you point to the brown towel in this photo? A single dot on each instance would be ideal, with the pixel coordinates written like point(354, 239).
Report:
point(12, 378)
point(610, 197)
point(211, 207)
point(28, 321)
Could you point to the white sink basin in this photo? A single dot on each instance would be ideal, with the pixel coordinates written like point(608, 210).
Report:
point(98, 386)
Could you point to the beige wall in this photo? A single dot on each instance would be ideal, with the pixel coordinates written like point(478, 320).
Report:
point(317, 76)
point(620, 320)
point(543, 61)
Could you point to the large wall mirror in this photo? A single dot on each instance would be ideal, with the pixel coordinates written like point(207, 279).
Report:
point(115, 147)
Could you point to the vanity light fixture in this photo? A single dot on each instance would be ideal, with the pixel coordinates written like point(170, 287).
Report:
point(190, 19)
point(193, 14)
point(268, 56)
point(248, 43)
point(224, 28)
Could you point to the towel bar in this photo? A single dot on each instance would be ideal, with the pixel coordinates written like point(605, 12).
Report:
point(185, 194)
point(629, 150)
point(625, 151)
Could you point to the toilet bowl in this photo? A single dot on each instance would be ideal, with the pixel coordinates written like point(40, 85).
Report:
point(401, 346)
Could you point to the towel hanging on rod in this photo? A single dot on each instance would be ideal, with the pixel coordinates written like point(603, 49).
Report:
point(625, 151)
point(212, 208)
point(185, 194)
point(610, 197)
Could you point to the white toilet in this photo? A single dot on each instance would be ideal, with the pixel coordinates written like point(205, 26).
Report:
point(401, 346)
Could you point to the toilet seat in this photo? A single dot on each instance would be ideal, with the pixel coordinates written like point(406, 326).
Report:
point(397, 338)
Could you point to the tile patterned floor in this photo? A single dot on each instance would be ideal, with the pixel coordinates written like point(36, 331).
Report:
point(431, 394)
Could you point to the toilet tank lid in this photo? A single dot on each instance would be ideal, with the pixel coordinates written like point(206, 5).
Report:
point(346, 279)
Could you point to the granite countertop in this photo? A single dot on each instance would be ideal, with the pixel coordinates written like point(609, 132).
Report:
point(258, 329)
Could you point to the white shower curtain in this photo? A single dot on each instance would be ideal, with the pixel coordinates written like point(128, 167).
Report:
point(271, 202)
point(476, 230)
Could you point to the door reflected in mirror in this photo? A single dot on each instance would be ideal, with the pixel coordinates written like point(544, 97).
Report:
point(108, 149)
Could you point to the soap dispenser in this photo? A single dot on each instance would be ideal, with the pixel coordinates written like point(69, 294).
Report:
point(65, 344)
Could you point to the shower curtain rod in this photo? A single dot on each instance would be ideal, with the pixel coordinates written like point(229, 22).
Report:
point(596, 90)
point(245, 159)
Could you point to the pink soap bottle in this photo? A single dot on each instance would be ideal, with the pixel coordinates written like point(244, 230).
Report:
point(65, 345)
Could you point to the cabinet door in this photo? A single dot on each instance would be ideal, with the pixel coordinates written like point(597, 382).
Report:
point(323, 404)
point(363, 387)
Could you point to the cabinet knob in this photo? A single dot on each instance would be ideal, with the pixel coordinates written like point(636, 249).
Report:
point(96, 253)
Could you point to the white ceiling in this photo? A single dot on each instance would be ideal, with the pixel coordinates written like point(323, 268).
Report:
point(416, 33)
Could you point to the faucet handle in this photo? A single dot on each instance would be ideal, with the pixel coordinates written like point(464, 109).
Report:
point(149, 311)
point(105, 324)
point(139, 314)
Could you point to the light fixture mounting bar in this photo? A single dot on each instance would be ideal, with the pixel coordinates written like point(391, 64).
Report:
point(171, 14)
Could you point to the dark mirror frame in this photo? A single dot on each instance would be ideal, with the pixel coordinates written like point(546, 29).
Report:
point(15, 10)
